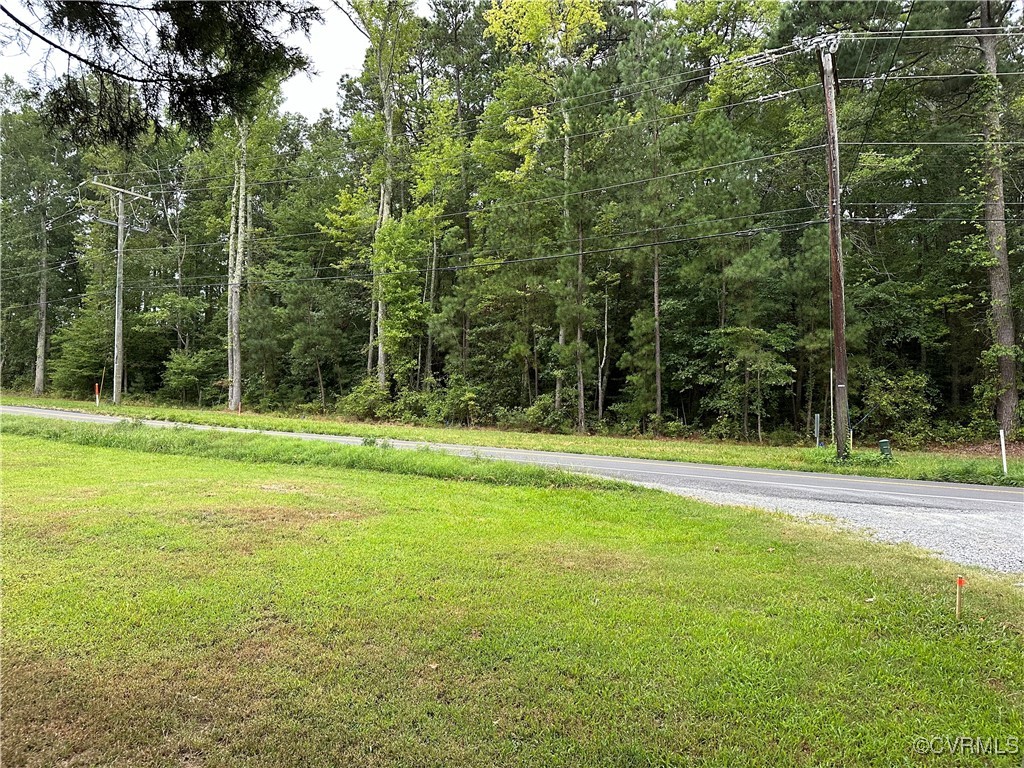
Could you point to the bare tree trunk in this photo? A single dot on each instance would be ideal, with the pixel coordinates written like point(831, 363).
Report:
point(235, 281)
point(558, 366)
point(581, 403)
point(995, 229)
point(657, 332)
point(320, 384)
point(536, 370)
point(746, 403)
point(566, 152)
point(759, 408)
point(373, 326)
point(183, 337)
point(40, 382)
point(383, 216)
point(431, 298)
point(810, 400)
point(232, 250)
point(602, 371)
point(382, 355)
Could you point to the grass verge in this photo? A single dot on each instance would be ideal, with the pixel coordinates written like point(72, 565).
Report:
point(907, 465)
point(164, 609)
point(262, 449)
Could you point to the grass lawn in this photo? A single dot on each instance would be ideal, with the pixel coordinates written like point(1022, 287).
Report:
point(908, 464)
point(223, 600)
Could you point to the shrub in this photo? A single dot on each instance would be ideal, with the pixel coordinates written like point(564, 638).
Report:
point(898, 406)
point(191, 375)
point(367, 401)
point(417, 406)
point(546, 418)
point(459, 404)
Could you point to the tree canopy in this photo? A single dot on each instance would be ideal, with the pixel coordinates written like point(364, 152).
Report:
point(559, 214)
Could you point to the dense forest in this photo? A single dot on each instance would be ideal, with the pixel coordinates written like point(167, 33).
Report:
point(554, 214)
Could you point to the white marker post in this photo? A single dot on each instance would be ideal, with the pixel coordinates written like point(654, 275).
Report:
point(97, 395)
point(1002, 448)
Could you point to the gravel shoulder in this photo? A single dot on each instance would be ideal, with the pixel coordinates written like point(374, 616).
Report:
point(970, 524)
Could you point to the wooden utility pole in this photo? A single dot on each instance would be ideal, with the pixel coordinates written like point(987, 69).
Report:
point(119, 286)
point(119, 304)
point(841, 412)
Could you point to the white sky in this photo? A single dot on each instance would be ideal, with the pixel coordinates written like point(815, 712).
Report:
point(335, 48)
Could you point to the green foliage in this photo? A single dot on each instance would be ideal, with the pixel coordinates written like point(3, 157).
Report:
point(190, 375)
point(509, 194)
point(754, 370)
point(541, 416)
point(368, 400)
point(898, 407)
point(85, 354)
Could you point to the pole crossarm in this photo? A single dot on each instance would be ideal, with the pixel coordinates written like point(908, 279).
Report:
point(97, 183)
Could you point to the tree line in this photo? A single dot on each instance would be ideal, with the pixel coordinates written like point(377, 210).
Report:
point(554, 214)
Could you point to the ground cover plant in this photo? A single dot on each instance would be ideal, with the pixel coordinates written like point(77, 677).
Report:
point(177, 598)
point(916, 465)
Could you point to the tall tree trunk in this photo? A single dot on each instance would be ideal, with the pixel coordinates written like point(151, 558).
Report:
point(746, 403)
point(602, 370)
point(759, 408)
point(558, 366)
point(536, 370)
point(995, 229)
point(235, 282)
point(382, 355)
point(810, 400)
point(657, 332)
point(383, 216)
point(232, 255)
point(179, 329)
point(581, 403)
point(428, 365)
point(656, 171)
point(40, 382)
point(320, 384)
point(373, 326)
point(566, 158)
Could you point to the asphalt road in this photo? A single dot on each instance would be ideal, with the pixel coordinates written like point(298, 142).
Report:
point(972, 524)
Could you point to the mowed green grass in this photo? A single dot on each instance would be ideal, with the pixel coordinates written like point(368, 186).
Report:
point(917, 465)
point(175, 610)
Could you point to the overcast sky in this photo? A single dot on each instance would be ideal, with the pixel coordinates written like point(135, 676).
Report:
point(334, 47)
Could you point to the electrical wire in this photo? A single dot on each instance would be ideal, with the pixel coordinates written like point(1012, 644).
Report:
point(449, 268)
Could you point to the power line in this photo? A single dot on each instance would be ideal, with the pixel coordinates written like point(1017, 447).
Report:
point(457, 267)
point(881, 90)
point(472, 153)
point(951, 75)
point(609, 187)
point(927, 143)
point(576, 193)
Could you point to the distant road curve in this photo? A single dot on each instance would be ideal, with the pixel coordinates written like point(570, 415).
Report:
point(972, 524)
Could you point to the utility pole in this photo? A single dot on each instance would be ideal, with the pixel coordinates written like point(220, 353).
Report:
point(841, 411)
point(119, 287)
